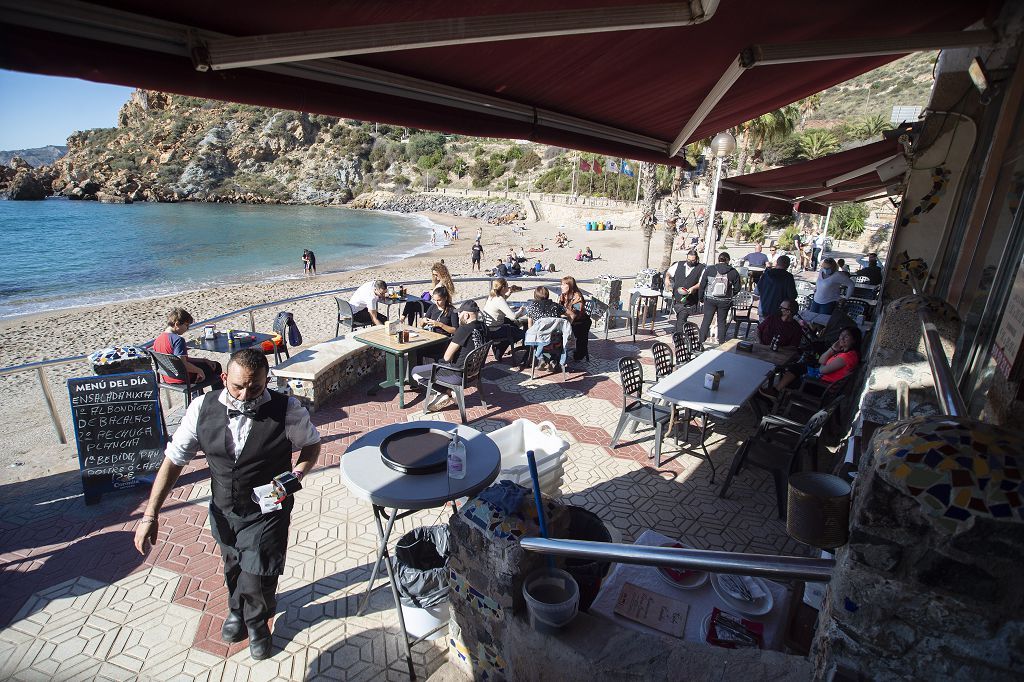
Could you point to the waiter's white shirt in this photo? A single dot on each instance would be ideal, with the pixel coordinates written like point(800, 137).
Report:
point(185, 444)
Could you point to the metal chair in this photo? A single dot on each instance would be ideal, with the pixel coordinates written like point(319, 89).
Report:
point(682, 354)
point(346, 316)
point(636, 409)
point(776, 447)
point(742, 312)
point(458, 379)
point(692, 333)
point(499, 334)
point(174, 367)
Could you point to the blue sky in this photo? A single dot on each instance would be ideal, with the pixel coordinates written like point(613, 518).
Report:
point(39, 110)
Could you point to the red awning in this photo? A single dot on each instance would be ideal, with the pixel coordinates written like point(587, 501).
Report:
point(599, 83)
point(808, 187)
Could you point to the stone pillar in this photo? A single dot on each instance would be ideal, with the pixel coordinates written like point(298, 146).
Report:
point(930, 586)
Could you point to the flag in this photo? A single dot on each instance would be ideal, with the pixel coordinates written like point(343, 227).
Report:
point(584, 166)
point(597, 166)
point(627, 169)
point(611, 166)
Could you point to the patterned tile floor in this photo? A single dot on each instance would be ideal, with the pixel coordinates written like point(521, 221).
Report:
point(80, 604)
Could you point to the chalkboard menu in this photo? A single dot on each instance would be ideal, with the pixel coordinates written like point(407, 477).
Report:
point(118, 430)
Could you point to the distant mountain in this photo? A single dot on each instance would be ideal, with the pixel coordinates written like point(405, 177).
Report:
point(40, 156)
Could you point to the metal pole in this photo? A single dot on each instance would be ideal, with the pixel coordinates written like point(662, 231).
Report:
point(52, 407)
point(639, 175)
point(252, 323)
point(828, 218)
point(945, 386)
point(761, 565)
point(572, 184)
point(709, 229)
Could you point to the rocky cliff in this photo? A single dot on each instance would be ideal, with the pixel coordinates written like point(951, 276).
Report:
point(38, 156)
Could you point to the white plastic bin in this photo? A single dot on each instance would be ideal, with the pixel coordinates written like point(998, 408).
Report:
point(549, 449)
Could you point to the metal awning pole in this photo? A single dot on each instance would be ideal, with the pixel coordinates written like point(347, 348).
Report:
point(709, 229)
point(828, 218)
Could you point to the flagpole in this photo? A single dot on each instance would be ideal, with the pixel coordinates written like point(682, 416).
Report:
point(639, 174)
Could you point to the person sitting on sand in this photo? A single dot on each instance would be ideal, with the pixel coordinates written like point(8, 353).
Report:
point(538, 249)
point(538, 267)
point(171, 342)
point(588, 255)
point(521, 256)
point(364, 302)
point(579, 255)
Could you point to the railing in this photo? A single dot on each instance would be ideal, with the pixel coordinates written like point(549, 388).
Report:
point(40, 365)
point(761, 565)
point(950, 400)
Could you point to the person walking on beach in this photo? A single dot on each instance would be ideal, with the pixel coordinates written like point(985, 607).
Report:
point(478, 251)
point(311, 264)
point(171, 342)
point(455, 233)
point(433, 237)
point(248, 435)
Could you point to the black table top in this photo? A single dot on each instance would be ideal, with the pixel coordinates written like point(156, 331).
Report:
point(219, 344)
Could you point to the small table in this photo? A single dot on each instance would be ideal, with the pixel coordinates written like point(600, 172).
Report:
point(649, 300)
point(396, 300)
point(219, 343)
point(685, 388)
point(701, 600)
point(780, 357)
point(388, 490)
point(396, 354)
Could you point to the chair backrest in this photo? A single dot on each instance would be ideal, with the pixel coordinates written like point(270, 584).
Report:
point(743, 301)
point(281, 326)
point(692, 332)
point(475, 362)
point(631, 374)
point(595, 308)
point(344, 309)
point(812, 429)
point(682, 349)
point(860, 279)
point(662, 359)
point(488, 321)
point(169, 365)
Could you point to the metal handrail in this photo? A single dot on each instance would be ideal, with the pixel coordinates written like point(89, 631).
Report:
point(40, 365)
point(950, 400)
point(760, 565)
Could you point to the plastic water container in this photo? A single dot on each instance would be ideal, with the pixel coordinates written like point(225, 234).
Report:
point(552, 599)
point(549, 450)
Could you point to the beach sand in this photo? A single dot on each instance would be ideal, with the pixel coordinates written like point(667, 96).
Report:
point(31, 449)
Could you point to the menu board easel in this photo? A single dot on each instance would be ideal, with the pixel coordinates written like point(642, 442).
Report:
point(117, 429)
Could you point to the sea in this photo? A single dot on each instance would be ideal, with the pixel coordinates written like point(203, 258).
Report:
point(58, 253)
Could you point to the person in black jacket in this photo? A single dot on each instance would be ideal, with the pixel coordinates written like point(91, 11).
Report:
point(718, 285)
point(248, 434)
point(684, 279)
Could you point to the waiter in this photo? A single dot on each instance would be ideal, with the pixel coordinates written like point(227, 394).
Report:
point(684, 279)
point(248, 435)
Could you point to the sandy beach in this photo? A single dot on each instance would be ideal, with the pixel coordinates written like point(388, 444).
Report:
point(31, 448)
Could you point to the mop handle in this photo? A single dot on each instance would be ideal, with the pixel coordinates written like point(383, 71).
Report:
point(532, 462)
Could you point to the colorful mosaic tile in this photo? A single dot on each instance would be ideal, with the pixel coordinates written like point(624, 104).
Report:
point(956, 468)
point(507, 526)
point(478, 600)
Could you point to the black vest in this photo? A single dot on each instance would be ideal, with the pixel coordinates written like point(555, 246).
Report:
point(688, 281)
point(267, 452)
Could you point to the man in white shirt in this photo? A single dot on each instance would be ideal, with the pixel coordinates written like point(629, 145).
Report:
point(364, 302)
point(248, 435)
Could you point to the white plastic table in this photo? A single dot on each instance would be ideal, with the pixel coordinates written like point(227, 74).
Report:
point(684, 387)
point(389, 491)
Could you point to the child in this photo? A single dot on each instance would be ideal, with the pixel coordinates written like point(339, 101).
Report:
point(171, 342)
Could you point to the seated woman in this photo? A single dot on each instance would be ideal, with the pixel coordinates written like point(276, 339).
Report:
point(575, 309)
point(171, 342)
point(441, 317)
point(439, 276)
point(470, 334)
point(588, 255)
point(782, 324)
point(502, 317)
point(836, 363)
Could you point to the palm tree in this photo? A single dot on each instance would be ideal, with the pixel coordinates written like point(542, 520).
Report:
point(774, 126)
point(807, 106)
point(669, 232)
point(872, 126)
point(648, 220)
point(817, 143)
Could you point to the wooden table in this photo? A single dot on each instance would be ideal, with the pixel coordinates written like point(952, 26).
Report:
point(396, 354)
point(783, 356)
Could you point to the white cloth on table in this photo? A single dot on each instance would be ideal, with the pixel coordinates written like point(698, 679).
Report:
point(701, 600)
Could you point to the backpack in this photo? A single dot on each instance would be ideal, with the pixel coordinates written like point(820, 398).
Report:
point(720, 287)
point(551, 267)
point(284, 324)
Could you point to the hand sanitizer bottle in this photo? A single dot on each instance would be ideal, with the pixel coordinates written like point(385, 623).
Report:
point(456, 458)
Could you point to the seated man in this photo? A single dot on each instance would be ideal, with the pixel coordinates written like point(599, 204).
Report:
point(756, 259)
point(470, 334)
point(501, 270)
point(364, 302)
point(171, 342)
point(872, 271)
point(782, 324)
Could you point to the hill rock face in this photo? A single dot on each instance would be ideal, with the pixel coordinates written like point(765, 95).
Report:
point(175, 148)
point(38, 156)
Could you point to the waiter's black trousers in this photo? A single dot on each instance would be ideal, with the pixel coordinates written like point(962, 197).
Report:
point(253, 548)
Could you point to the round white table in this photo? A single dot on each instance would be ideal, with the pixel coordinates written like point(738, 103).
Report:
point(389, 491)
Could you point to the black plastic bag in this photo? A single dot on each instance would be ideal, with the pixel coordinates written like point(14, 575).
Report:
point(421, 566)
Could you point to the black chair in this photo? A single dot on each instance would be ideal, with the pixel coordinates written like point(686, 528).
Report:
point(742, 312)
point(500, 336)
point(682, 353)
point(636, 409)
point(174, 367)
point(776, 447)
point(458, 379)
point(663, 360)
point(346, 317)
point(692, 333)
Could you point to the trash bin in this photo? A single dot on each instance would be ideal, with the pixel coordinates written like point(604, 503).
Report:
point(421, 570)
point(588, 573)
point(120, 360)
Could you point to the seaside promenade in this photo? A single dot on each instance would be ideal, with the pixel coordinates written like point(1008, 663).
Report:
point(81, 604)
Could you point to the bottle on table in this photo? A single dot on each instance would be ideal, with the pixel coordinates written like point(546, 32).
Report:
point(456, 458)
point(775, 342)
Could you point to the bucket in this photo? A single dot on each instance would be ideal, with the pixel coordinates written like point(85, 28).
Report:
point(419, 622)
point(586, 525)
point(552, 599)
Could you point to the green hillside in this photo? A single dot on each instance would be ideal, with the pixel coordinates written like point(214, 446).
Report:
point(905, 82)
